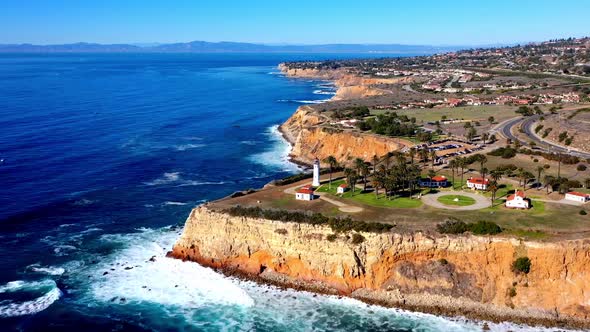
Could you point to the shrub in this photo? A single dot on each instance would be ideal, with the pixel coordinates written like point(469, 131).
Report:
point(581, 167)
point(583, 212)
point(522, 265)
point(332, 237)
point(337, 224)
point(485, 227)
point(281, 231)
point(452, 226)
point(455, 226)
point(504, 152)
point(443, 261)
point(357, 238)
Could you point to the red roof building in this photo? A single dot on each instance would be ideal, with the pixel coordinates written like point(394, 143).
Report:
point(478, 183)
point(577, 196)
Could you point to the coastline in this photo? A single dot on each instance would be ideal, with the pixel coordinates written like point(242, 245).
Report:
point(442, 308)
point(252, 249)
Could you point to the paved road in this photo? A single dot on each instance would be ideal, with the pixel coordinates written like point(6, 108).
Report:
point(505, 128)
point(481, 202)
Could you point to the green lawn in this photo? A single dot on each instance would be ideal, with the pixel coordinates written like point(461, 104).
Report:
point(369, 198)
point(457, 200)
point(481, 113)
point(527, 234)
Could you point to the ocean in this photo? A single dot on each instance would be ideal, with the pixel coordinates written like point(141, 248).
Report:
point(102, 156)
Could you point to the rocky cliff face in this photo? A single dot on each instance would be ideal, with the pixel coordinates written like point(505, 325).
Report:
point(349, 86)
point(310, 139)
point(464, 275)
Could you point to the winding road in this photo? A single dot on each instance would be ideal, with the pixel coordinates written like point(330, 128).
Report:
point(505, 128)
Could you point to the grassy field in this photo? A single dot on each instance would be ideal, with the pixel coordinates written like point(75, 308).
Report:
point(369, 198)
point(457, 200)
point(481, 113)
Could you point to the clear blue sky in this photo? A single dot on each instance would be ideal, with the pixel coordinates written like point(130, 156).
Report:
point(456, 22)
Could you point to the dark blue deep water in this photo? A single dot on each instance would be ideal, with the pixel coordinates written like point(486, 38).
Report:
point(101, 159)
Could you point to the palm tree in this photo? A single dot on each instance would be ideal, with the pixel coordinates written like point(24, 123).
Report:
point(375, 161)
point(462, 163)
point(484, 137)
point(540, 169)
point(493, 188)
point(424, 155)
point(432, 157)
point(559, 166)
point(482, 162)
point(453, 166)
point(548, 180)
point(525, 176)
point(386, 160)
point(359, 164)
point(351, 177)
point(496, 175)
point(365, 171)
point(377, 183)
point(333, 163)
point(412, 154)
point(483, 171)
point(431, 174)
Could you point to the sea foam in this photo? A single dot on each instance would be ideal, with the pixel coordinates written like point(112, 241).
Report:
point(11, 308)
point(277, 157)
point(141, 272)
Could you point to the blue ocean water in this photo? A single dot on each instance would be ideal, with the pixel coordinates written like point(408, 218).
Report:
point(101, 159)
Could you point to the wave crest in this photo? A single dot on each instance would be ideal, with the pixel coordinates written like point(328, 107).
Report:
point(12, 308)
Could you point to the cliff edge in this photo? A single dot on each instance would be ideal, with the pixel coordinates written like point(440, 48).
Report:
point(458, 275)
point(310, 135)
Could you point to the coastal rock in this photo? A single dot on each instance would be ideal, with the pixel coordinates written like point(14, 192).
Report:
point(310, 139)
point(463, 275)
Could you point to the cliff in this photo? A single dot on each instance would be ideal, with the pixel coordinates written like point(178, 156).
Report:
point(310, 139)
point(349, 86)
point(465, 275)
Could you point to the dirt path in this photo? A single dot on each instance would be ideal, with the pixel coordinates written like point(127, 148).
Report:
point(323, 196)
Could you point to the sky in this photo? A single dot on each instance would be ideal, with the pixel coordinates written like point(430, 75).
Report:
point(424, 22)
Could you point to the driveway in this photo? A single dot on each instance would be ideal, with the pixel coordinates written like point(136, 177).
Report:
point(481, 202)
point(324, 196)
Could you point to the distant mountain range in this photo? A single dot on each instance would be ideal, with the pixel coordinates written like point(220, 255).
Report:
point(225, 47)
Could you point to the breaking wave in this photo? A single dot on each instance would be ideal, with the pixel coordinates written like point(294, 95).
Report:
point(41, 293)
point(49, 270)
point(174, 178)
point(277, 157)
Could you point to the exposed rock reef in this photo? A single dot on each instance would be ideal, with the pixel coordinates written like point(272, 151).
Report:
point(463, 275)
point(310, 139)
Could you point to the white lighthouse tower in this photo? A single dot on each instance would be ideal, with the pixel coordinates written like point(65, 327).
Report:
point(316, 173)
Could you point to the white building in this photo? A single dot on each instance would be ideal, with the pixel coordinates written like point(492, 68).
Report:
point(304, 194)
point(342, 189)
point(577, 197)
point(517, 201)
point(478, 183)
point(316, 173)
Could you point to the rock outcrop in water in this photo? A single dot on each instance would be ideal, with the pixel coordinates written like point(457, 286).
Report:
point(462, 275)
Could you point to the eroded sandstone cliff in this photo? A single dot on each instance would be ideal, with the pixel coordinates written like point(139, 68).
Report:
point(463, 275)
point(349, 86)
point(309, 138)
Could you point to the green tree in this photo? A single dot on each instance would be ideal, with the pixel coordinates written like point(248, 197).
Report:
point(332, 163)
